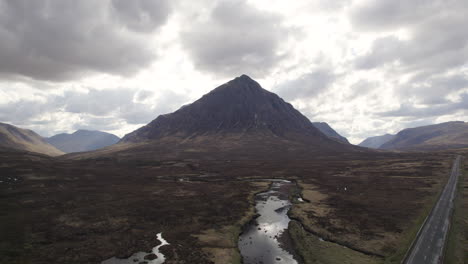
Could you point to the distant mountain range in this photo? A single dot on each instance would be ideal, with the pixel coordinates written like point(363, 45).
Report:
point(377, 141)
point(433, 137)
point(15, 138)
point(82, 140)
point(449, 135)
point(237, 120)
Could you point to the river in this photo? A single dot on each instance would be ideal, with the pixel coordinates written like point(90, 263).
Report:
point(265, 239)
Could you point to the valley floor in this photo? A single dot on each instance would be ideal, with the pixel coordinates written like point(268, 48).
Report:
point(59, 211)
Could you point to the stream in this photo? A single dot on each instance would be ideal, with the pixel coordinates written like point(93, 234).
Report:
point(265, 239)
point(153, 257)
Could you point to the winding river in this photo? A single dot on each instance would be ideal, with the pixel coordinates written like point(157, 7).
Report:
point(265, 239)
point(153, 257)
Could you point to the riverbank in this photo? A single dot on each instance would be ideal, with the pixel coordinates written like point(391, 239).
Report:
point(265, 238)
point(221, 245)
point(313, 249)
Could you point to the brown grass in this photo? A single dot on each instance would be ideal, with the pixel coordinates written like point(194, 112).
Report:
point(87, 211)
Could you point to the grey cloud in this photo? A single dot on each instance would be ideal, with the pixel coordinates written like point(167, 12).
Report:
point(142, 95)
point(437, 43)
point(388, 14)
point(433, 90)
point(361, 88)
point(424, 53)
point(333, 5)
point(96, 102)
point(97, 109)
point(20, 112)
point(410, 111)
point(142, 15)
point(137, 113)
point(118, 103)
point(384, 50)
point(61, 40)
point(236, 38)
point(97, 123)
point(307, 86)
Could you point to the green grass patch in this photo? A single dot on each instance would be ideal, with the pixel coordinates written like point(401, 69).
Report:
point(313, 250)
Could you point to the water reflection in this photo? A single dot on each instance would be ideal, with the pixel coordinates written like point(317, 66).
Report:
point(259, 243)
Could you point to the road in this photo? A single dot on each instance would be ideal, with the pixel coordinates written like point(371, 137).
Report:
point(429, 244)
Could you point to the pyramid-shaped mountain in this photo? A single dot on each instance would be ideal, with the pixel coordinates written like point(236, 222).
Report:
point(237, 120)
point(239, 106)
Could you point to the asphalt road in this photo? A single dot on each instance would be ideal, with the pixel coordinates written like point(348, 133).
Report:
point(429, 245)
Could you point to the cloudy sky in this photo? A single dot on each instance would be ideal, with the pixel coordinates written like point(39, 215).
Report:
point(365, 67)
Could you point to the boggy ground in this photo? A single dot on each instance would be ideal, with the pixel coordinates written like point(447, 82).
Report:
point(62, 211)
point(86, 212)
point(372, 206)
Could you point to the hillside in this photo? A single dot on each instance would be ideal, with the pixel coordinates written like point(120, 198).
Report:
point(12, 137)
point(377, 141)
point(82, 140)
point(329, 131)
point(433, 137)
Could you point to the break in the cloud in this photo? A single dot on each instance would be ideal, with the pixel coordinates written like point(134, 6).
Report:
point(60, 40)
point(366, 67)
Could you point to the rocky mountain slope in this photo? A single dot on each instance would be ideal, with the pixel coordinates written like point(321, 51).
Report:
point(12, 137)
point(82, 140)
point(329, 131)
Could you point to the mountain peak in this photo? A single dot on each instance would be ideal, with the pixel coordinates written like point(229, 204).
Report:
point(82, 140)
point(245, 78)
point(237, 107)
point(240, 85)
point(81, 131)
point(236, 120)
